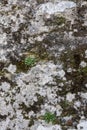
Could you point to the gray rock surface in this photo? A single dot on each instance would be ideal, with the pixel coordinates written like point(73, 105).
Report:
point(52, 36)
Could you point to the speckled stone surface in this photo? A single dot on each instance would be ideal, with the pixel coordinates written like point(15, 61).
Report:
point(54, 33)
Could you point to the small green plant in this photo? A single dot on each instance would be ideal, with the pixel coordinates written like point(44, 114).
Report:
point(60, 20)
point(29, 61)
point(49, 117)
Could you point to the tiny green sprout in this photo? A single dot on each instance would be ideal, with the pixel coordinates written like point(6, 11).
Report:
point(49, 117)
point(29, 61)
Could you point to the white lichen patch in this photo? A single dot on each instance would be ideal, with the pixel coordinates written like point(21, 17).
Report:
point(45, 29)
point(61, 73)
point(11, 68)
point(55, 127)
point(37, 77)
point(52, 8)
point(3, 39)
point(70, 97)
point(86, 54)
point(5, 86)
point(82, 125)
point(2, 55)
point(83, 64)
point(84, 95)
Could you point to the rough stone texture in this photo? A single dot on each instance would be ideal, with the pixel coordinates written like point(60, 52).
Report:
point(54, 32)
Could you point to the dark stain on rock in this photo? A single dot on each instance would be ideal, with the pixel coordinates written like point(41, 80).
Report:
point(1, 65)
point(77, 59)
point(3, 117)
point(72, 59)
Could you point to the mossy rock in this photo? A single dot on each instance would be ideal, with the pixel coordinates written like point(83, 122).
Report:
point(55, 20)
